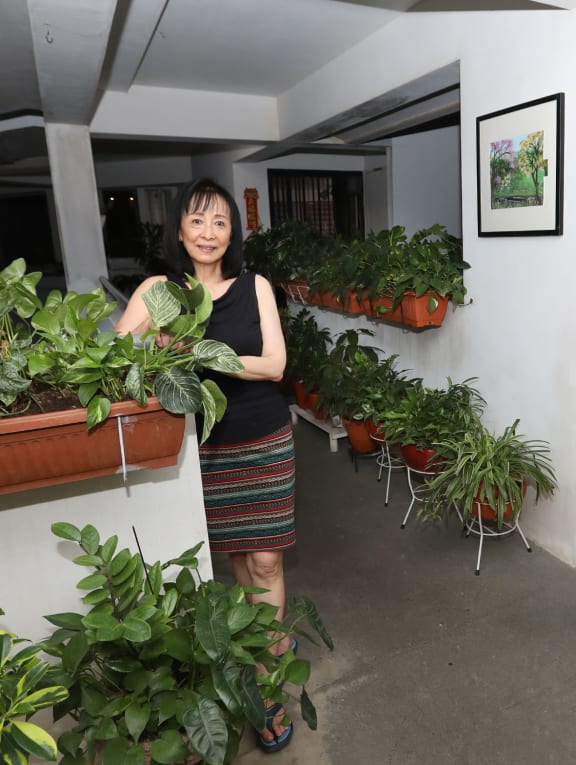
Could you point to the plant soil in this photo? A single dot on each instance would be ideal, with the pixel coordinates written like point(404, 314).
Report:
point(38, 399)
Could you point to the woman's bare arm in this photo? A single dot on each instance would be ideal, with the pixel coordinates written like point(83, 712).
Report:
point(136, 318)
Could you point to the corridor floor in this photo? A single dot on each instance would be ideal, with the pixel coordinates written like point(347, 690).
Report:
point(432, 665)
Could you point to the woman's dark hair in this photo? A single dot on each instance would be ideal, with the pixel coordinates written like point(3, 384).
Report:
point(202, 193)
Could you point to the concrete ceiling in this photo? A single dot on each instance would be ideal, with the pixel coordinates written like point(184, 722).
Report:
point(57, 57)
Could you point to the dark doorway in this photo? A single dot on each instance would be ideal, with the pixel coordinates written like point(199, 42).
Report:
point(25, 232)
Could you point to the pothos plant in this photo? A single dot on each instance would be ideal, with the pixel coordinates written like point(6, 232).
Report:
point(61, 345)
point(176, 664)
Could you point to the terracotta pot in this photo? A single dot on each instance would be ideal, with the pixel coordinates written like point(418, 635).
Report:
point(381, 308)
point(56, 447)
point(415, 311)
point(301, 395)
point(359, 435)
point(313, 405)
point(424, 460)
point(296, 290)
point(329, 300)
point(487, 513)
point(353, 305)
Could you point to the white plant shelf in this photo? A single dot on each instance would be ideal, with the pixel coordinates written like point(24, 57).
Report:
point(334, 431)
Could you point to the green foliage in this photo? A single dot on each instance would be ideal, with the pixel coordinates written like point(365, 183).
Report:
point(23, 691)
point(350, 371)
point(481, 467)
point(306, 347)
point(424, 416)
point(176, 661)
point(286, 251)
point(62, 346)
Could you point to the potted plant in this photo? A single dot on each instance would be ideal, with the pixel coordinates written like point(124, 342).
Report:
point(22, 693)
point(487, 473)
point(177, 666)
point(425, 416)
point(426, 273)
point(58, 355)
point(286, 254)
point(306, 355)
point(350, 371)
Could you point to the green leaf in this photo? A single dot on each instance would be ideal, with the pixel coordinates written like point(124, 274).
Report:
point(136, 717)
point(136, 630)
point(11, 752)
point(162, 306)
point(134, 384)
point(74, 653)
point(254, 707)
point(308, 710)
point(207, 730)
point(178, 390)
point(298, 672)
point(218, 356)
point(98, 411)
point(69, 620)
point(92, 582)
point(109, 548)
point(88, 560)
point(66, 531)
point(169, 748)
point(34, 740)
point(240, 616)
point(212, 630)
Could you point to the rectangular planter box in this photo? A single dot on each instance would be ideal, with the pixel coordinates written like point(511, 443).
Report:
point(56, 447)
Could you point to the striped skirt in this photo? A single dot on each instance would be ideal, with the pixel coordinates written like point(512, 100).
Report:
point(249, 493)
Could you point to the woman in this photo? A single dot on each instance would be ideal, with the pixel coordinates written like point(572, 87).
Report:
point(247, 463)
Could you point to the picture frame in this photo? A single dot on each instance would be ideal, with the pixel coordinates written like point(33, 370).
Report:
point(520, 169)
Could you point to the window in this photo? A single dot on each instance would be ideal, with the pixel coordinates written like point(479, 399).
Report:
point(331, 201)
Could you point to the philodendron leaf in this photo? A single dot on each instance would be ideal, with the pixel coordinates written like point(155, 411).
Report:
point(308, 710)
point(162, 306)
point(253, 702)
point(207, 730)
point(135, 384)
point(214, 355)
point(212, 629)
point(178, 390)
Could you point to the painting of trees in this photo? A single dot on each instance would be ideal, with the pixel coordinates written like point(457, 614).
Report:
point(517, 170)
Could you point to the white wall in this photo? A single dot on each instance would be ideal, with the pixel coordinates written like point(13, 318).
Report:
point(426, 180)
point(165, 506)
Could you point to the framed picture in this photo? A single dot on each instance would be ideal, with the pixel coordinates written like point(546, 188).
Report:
point(520, 170)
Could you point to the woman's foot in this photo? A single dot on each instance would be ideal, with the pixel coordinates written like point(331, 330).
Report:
point(276, 735)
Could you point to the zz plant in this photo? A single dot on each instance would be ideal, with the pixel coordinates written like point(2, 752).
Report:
point(182, 663)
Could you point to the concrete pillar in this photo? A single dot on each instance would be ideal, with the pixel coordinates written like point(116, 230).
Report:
point(77, 205)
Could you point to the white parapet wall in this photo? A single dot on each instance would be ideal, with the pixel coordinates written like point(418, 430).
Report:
point(165, 506)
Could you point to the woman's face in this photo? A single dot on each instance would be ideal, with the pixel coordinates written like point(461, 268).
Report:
point(206, 232)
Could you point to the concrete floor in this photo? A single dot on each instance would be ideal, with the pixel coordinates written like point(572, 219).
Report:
point(432, 664)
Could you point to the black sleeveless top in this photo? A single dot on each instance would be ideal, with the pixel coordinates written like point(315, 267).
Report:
point(256, 408)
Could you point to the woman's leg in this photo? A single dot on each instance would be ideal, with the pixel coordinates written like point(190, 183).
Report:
point(264, 568)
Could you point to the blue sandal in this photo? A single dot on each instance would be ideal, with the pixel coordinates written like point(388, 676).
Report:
point(278, 742)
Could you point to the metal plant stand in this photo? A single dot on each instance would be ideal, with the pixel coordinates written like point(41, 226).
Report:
point(475, 525)
point(386, 461)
